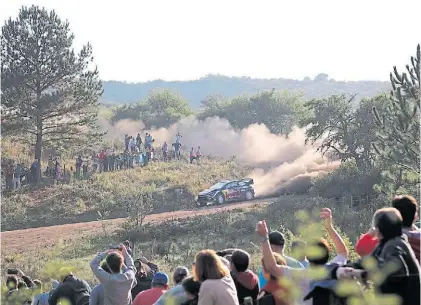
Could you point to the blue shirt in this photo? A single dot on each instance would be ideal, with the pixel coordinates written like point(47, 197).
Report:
point(293, 263)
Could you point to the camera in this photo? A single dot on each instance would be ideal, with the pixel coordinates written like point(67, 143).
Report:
point(12, 271)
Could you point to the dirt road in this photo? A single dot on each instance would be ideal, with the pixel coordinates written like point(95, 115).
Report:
point(19, 241)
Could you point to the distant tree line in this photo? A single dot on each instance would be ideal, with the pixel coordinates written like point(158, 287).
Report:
point(195, 91)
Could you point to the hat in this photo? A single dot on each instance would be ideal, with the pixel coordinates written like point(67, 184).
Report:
point(160, 279)
point(276, 238)
point(181, 271)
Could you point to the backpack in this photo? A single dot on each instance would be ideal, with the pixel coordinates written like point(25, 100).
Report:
point(81, 296)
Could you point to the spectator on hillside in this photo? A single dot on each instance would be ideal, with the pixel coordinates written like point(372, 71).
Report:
point(35, 170)
point(78, 165)
point(298, 249)
point(102, 156)
point(75, 291)
point(176, 295)
point(198, 154)
point(165, 151)
point(408, 208)
point(178, 136)
point(119, 282)
point(395, 259)
point(277, 242)
point(138, 141)
point(177, 153)
point(148, 141)
point(97, 294)
point(150, 296)
point(246, 282)
point(217, 286)
point(85, 167)
point(126, 142)
point(132, 145)
point(17, 174)
point(192, 155)
point(192, 288)
point(145, 271)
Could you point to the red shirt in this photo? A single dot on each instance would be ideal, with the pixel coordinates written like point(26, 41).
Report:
point(148, 297)
point(366, 244)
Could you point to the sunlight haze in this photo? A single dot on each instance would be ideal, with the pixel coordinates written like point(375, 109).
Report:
point(138, 41)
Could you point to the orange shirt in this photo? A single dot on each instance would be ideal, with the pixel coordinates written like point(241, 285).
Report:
point(148, 297)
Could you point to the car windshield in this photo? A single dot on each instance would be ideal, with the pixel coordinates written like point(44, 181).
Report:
point(217, 186)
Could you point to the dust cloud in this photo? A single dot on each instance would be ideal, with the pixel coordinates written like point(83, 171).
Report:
point(282, 164)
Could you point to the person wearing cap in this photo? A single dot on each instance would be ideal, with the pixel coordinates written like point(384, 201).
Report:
point(177, 294)
point(277, 243)
point(150, 296)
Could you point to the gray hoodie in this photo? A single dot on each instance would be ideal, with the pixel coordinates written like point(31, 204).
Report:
point(117, 287)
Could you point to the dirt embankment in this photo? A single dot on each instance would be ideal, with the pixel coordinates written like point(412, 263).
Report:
point(19, 241)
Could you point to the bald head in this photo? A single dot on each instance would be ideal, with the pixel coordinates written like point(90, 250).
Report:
point(388, 223)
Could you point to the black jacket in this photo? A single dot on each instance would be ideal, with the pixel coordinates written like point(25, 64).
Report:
point(397, 262)
point(247, 285)
point(144, 278)
point(75, 290)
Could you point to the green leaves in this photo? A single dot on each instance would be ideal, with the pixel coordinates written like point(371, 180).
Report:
point(48, 90)
point(398, 137)
point(278, 111)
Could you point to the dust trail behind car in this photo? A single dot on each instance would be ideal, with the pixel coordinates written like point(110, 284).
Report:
point(281, 162)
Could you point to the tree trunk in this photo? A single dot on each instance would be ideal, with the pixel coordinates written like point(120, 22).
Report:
point(38, 149)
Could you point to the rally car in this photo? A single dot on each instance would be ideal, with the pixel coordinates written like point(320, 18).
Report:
point(227, 190)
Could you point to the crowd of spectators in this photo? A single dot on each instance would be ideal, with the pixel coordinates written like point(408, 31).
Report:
point(224, 277)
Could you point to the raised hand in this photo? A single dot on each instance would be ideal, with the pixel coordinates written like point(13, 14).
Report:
point(326, 215)
point(262, 229)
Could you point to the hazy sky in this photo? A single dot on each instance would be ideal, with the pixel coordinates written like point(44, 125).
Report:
point(180, 39)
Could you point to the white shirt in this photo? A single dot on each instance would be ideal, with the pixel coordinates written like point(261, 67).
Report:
point(306, 280)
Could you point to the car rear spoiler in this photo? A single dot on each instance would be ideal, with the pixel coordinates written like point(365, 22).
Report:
point(248, 180)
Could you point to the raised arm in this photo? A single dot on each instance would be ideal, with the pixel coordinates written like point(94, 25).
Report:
point(340, 246)
point(269, 260)
point(102, 275)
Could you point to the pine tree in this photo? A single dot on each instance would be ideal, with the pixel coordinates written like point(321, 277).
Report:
point(399, 137)
point(49, 93)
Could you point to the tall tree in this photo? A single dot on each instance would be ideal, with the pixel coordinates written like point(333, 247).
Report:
point(278, 111)
point(164, 107)
point(399, 135)
point(49, 92)
point(342, 130)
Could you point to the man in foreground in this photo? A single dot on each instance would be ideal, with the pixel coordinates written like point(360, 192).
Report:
point(119, 282)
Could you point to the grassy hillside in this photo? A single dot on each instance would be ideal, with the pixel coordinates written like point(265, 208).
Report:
point(172, 186)
point(195, 91)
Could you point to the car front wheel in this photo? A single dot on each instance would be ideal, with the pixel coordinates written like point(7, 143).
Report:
point(249, 195)
point(220, 199)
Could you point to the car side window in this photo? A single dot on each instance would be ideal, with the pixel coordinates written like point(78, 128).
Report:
point(231, 185)
point(241, 184)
